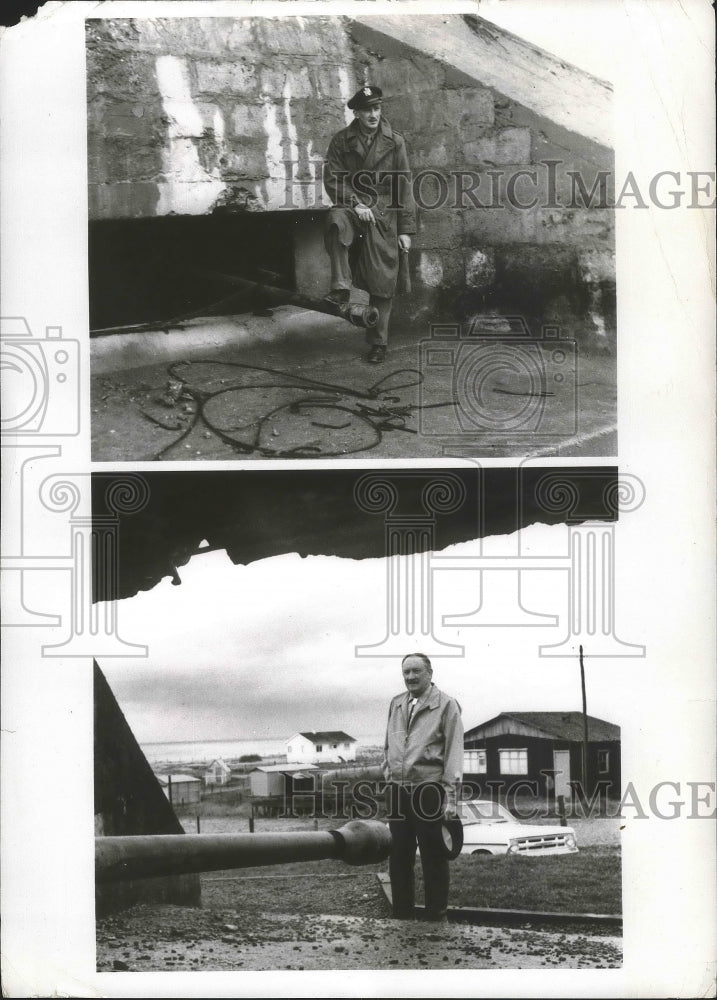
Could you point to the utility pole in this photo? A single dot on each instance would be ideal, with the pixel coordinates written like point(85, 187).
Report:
point(585, 726)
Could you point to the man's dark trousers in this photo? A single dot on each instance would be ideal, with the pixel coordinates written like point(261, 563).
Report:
point(415, 814)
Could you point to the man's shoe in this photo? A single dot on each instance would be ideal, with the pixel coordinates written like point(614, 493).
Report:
point(339, 297)
point(377, 354)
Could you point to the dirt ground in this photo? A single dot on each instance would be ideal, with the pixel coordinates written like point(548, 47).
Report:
point(190, 939)
point(321, 398)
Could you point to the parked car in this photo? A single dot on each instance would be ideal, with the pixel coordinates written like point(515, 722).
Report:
point(488, 828)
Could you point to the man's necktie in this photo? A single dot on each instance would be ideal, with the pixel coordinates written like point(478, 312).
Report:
point(413, 704)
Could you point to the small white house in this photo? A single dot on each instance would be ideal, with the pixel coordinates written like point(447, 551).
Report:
point(218, 773)
point(332, 747)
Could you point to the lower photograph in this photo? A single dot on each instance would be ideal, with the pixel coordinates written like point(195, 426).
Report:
point(358, 719)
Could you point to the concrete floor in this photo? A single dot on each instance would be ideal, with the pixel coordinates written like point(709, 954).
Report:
point(151, 939)
point(513, 400)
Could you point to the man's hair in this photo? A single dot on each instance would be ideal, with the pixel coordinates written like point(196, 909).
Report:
point(419, 656)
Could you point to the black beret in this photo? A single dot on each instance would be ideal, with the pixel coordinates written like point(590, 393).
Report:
point(365, 98)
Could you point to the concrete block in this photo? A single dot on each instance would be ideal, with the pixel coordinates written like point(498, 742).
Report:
point(438, 151)
point(243, 159)
point(509, 145)
point(225, 77)
point(429, 268)
point(296, 36)
point(537, 263)
point(496, 226)
point(479, 268)
point(134, 120)
point(416, 75)
point(333, 82)
point(121, 75)
point(312, 267)
point(438, 229)
point(123, 200)
point(122, 32)
point(284, 82)
point(220, 36)
point(596, 266)
point(470, 107)
point(125, 160)
point(248, 120)
point(578, 227)
point(530, 278)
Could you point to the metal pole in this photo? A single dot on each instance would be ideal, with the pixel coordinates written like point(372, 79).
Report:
point(586, 790)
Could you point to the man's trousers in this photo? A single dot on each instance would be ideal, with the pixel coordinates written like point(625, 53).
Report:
point(415, 815)
point(341, 278)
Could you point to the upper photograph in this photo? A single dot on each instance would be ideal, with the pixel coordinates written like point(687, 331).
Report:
point(384, 237)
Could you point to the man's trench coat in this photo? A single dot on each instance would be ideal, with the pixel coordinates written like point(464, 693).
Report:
point(375, 253)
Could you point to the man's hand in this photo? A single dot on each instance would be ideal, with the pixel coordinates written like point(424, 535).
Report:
point(365, 214)
point(404, 242)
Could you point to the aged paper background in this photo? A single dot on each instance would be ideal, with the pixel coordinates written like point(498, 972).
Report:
point(664, 99)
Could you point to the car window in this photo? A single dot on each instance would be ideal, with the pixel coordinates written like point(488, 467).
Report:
point(481, 811)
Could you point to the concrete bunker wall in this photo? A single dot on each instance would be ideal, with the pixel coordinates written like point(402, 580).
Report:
point(197, 116)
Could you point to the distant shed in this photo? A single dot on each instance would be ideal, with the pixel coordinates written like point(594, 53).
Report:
point(181, 789)
point(281, 779)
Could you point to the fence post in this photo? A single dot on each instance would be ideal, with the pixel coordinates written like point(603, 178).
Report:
point(198, 825)
point(251, 819)
point(561, 810)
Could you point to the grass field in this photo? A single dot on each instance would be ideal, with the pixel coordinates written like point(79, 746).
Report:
point(587, 882)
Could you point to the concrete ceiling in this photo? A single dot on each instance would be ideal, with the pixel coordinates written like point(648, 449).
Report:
point(254, 515)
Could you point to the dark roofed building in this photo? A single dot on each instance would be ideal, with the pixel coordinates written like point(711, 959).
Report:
point(543, 749)
point(332, 746)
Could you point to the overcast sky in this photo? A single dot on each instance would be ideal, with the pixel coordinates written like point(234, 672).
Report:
point(260, 651)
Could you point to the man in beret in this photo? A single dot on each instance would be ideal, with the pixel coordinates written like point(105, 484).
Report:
point(367, 178)
point(423, 764)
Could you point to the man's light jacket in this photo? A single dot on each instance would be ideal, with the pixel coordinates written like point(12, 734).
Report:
point(431, 748)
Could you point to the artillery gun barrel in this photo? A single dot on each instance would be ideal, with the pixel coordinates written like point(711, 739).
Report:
point(358, 315)
point(359, 842)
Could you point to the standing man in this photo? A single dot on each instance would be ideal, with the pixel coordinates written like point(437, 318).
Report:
point(423, 763)
point(367, 178)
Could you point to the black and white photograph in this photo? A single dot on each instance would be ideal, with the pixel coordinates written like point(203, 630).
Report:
point(358, 489)
point(371, 236)
point(260, 798)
